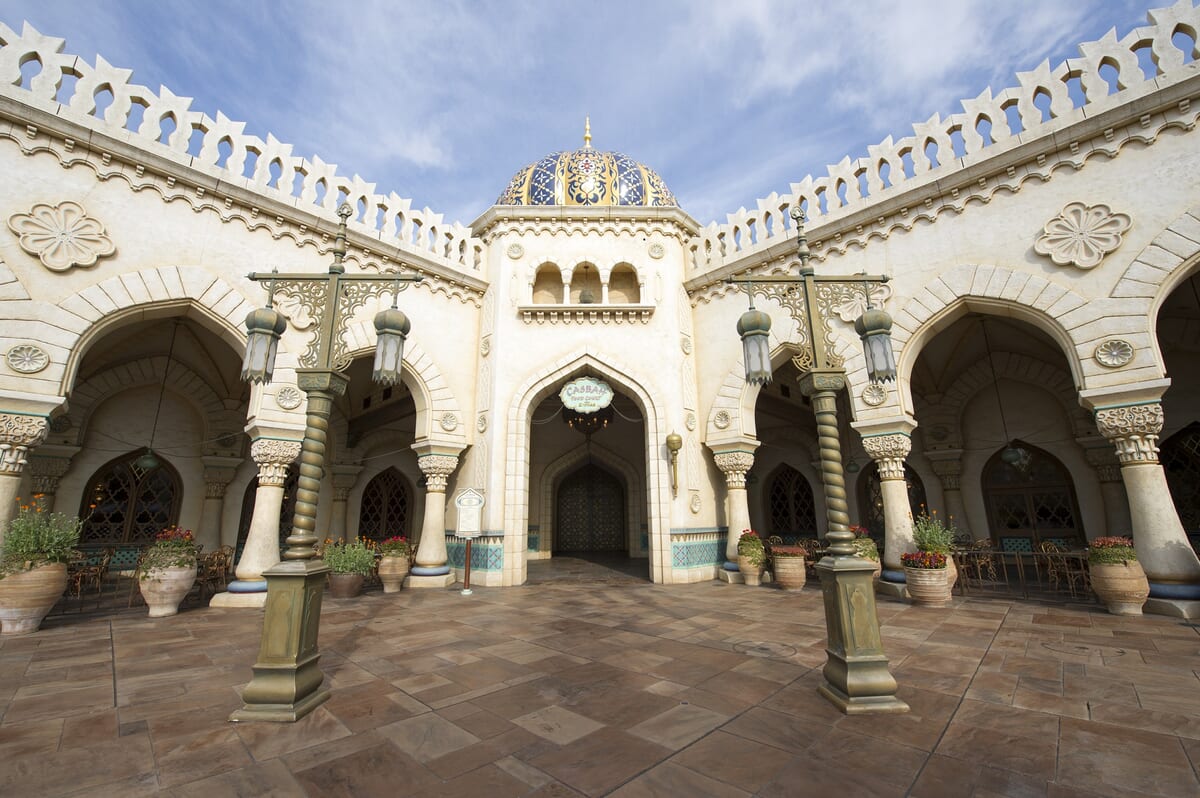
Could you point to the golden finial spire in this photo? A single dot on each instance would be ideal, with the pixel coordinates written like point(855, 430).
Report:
point(587, 132)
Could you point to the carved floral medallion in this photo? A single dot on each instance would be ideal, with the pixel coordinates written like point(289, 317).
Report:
point(288, 398)
point(61, 235)
point(1082, 235)
point(27, 359)
point(1113, 353)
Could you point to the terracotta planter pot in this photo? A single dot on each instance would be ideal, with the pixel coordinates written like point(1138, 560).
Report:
point(164, 588)
point(928, 587)
point(1121, 586)
point(27, 597)
point(751, 573)
point(789, 572)
point(345, 585)
point(392, 571)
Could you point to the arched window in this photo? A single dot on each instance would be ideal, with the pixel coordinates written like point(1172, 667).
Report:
point(870, 498)
point(623, 286)
point(585, 285)
point(1180, 457)
point(287, 509)
point(125, 505)
point(385, 507)
point(792, 510)
point(1030, 501)
point(548, 285)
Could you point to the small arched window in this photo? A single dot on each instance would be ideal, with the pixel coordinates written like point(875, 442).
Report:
point(585, 285)
point(623, 286)
point(548, 285)
point(124, 504)
point(792, 508)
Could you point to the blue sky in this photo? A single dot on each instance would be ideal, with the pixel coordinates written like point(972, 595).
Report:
point(443, 101)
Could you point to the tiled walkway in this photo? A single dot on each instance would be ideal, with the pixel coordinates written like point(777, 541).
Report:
point(627, 689)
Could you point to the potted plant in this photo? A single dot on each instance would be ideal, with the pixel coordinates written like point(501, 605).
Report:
point(864, 546)
point(33, 565)
point(789, 566)
point(168, 570)
point(1117, 576)
point(926, 575)
point(752, 555)
point(396, 557)
point(348, 564)
point(931, 535)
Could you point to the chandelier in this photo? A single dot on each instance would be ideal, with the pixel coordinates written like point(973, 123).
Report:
point(588, 423)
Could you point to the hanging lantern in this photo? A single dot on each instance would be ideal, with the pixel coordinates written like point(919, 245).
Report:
point(754, 327)
point(874, 326)
point(391, 328)
point(265, 326)
point(148, 461)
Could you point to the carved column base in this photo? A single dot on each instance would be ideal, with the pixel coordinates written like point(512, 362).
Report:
point(1172, 608)
point(419, 581)
point(857, 678)
point(287, 682)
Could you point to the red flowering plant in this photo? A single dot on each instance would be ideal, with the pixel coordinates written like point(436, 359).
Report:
point(751, 547)
point(923, 559)
point(395, 546)
point(1111, 551)
point(173, 547)
point(864, 545)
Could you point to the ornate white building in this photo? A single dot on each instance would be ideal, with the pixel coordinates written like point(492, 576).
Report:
point(1044, 253)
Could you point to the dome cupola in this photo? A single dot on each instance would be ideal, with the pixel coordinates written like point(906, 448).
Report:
point(587, 176)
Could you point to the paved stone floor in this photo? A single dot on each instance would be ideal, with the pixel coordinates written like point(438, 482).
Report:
point(603, 687)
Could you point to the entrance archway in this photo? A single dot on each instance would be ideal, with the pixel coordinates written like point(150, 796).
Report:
point(590, 512)
point(1030, 500)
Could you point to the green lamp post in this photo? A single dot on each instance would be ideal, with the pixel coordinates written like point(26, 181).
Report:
point(287, 682)
point(857, 679)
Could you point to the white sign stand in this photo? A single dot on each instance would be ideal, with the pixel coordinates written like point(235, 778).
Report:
point(469, 504)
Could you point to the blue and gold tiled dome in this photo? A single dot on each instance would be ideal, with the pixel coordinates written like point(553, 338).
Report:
point(587, 177)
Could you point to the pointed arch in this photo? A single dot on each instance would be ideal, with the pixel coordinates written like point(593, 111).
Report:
point(516, 480)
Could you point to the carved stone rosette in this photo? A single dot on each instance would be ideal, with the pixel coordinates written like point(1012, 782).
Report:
point(19, 434)
point(888, 452)
point(1133, 430)
point(273, 458)
point(437, 469)
point(734, 466)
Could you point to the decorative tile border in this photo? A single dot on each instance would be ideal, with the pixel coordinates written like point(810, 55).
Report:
point(487, 553)
point(697, 548)
point(535, 542)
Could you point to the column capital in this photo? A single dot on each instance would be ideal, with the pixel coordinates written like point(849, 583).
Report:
point(888, 451)
point(46, 472)
point(734, 466)
point(437, 469)
point(1104, 460)
point(1133, 430)
point(273, 456)
point(19, 432)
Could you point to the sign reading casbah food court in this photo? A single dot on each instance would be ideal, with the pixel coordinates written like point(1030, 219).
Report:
point(586, 395)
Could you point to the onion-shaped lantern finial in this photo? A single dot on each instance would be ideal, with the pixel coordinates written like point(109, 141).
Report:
point(754, 327)
point(874, 326)
point(391, 328)
point(264, 325)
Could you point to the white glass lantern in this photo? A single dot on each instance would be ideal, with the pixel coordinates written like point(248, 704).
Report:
point(265, 325)
point(391, 328)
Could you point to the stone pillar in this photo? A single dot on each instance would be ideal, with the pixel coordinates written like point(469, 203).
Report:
point(46, 472)
point(345, 477)
point(1112, 491)
point(430, 568)
point(261, 551)
point(948, 467)
point(218, 473)
point(734, 466)
point(888, 452)
point(1161, 543)
point(19, 432)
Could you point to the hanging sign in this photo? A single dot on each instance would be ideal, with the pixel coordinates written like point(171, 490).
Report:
point(469, 503)
point(586, 395)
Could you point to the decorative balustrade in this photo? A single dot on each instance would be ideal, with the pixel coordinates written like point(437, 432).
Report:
point(102, 98)
point(1105, 74)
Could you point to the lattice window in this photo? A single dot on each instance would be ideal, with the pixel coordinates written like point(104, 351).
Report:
point(385, 506)
point(287, 509)
point(793, 511)
point(1180, 457)
point(126, 505)
point(1032, 496)
point(870, 499)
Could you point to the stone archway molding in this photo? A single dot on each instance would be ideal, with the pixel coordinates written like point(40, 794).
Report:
point(516, 480)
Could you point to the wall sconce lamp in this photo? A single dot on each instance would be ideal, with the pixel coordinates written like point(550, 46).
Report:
point(674, 444)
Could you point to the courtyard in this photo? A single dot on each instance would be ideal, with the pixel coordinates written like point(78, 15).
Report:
point(600, 683)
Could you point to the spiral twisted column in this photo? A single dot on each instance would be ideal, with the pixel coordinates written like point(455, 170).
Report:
point(322, 387)
point(822, 388)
